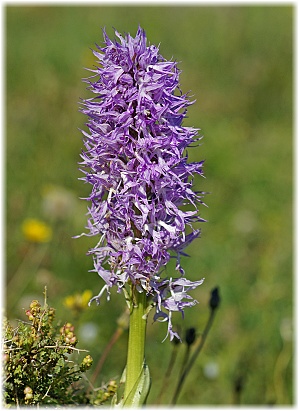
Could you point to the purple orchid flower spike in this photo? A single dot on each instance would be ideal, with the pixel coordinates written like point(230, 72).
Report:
point(135, 160)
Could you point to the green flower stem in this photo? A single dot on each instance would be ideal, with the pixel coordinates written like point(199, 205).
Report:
point(137, 329)
point(194, 356)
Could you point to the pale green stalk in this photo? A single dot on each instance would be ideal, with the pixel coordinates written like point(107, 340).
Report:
point(136, 343)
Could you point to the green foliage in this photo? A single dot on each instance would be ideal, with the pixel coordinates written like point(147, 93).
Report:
point(39, 366)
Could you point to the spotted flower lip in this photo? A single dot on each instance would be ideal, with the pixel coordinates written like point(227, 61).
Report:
point(142, 204)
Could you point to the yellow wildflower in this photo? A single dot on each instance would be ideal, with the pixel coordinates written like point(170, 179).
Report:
point(36, 231)
point(78, 302)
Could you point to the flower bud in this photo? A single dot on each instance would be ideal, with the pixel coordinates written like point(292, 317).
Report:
point(112, 386)
point(69, 327)
point(215, 298)
point(28, 394)
point(51, 313)
point(87, 361)
point(29, 315)
point(73, 340)
point(190, 336)
point(35, 306)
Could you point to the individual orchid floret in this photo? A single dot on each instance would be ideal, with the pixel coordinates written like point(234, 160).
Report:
point(142, 204)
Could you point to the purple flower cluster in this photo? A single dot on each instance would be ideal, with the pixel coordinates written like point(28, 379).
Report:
point(135, 160)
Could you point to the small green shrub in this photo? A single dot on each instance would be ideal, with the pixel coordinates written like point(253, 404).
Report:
point(40, 366)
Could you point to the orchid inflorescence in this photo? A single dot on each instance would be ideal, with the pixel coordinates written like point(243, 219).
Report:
point(135, 159)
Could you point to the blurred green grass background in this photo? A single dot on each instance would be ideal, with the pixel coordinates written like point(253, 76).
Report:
point(237, 62)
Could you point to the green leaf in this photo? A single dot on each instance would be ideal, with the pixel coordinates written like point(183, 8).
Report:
point(139, 392)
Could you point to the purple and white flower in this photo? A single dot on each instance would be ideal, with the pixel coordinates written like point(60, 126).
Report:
point(135, 159)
